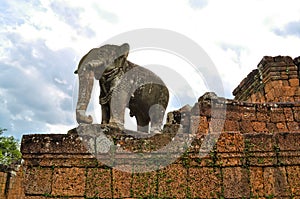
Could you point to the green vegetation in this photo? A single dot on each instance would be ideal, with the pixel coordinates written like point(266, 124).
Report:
point(9, 149)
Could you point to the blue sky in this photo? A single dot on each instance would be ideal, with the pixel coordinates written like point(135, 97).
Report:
point(43, 40)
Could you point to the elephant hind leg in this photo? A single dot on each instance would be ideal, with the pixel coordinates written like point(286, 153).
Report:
point(142, 123)
point(156, 113)
point(105, 113)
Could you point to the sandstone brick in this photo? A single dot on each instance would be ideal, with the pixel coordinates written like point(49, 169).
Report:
point(98, 183)
point(121, 183)
point(205, 182)
point(3, 178)
point(262, 114)
point(232, 159)
point(272, 127)
point(288, 91)
point(288, 158)
point(294, 82)
point(231, 125)
point(297, 113)
point(236, 182)
point(246, 126)
point(68, 182)
point(281, 126)
point(288, 141)
point(293, 179)
point(248, 113)
point(144, 185)
point(38, 180)
point(275, 182)
point(277, 115)
point(297, 92)
point(293, 126)
point(172, 182)
point(202, 124)
point(259, 126)
point(260, 142)
point(195, 124)
point(257, 181)
point(288, 114)
point(230, 142)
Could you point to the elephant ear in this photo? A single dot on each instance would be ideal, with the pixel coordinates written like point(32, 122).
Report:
point(124, 49)
point(80, 62)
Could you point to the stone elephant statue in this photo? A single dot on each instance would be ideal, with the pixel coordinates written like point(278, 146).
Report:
point(122, 84)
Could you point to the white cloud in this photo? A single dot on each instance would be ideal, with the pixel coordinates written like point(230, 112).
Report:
point(43, 40)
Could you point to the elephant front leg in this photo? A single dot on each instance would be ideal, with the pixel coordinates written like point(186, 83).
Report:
point(86, 79)
point(156, 114)
point(105, 113)
point(142, 123)
point(117, 107)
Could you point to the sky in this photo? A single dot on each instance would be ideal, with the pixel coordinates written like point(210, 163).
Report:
point(42, 41)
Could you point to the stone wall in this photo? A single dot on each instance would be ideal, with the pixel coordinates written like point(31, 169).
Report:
point(276, 79)
point(11, 185)
point(256, 155)
point(220, 148)
point(250, 165)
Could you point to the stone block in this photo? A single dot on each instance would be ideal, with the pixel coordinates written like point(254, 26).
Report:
point(232, 159)
point(233, 112)
point(144, 185)
point(259, 127)
point(231, 125)
point(257, 181)
point(277, 115)
point(262, 158)
point(38, 180)
point(68, 181)
point(293, 173)
point(262, 114)
point(294, 82)
point(248, 113)
point(289, 116)
point(288, 141)
point(54, 143)
point(293, 126)
point(296, 111)
point(246, 126)
point(236, 182)
point(121, 184)
point(172, 182)
point(275, 182)
point(64, 161)
point(230, 142)
point(288, 157)
point(205, 182)
point(282, 127)
point(98, 183)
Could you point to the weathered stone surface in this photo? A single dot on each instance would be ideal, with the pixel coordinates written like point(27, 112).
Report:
point(68, 182)
point(205, 182)
point(275, 182)
point(121, 184)
point(38, 180)
point(172, 182)
point(236, 184)
point(98, 181)
point(257, 181)
point(145, 185)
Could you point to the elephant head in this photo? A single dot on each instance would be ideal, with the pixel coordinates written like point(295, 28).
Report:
point(91, 66)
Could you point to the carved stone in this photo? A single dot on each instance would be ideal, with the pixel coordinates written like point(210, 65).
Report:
point(122, 84)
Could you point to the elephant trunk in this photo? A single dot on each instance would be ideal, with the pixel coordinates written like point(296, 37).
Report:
point(86, 80)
